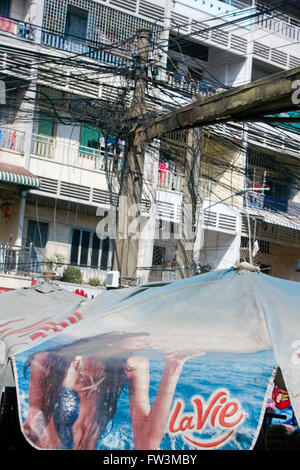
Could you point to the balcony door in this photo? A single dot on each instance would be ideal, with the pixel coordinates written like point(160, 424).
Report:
point(5, 8)
point(76, 22)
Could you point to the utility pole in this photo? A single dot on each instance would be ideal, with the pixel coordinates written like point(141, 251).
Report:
point(127, 238)
point(191, 201)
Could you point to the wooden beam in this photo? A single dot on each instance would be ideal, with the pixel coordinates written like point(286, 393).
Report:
point(253, 101)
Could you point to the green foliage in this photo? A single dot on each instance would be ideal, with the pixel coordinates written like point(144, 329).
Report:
point(54, 262)
point(72, 274)
point(93, 281)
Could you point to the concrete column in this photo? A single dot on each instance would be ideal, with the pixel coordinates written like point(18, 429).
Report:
point(21, 218)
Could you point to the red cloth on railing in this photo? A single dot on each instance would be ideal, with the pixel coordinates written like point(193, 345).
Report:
point(162, 170)
point(12, 140)
point(6, 25)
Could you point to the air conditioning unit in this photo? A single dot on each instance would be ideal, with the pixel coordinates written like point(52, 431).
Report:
point(112, 279)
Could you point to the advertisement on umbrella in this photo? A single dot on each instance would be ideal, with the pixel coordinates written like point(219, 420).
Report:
point(153, 372)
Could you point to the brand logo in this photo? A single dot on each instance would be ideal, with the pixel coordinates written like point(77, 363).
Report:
point(220, 413)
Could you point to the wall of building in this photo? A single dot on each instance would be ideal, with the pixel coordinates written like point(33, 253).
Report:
point(220, 250)
point(9, 230)
point(283, 260)
point(60, 228)
point(222, 164)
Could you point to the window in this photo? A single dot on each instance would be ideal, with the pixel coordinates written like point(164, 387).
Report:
point(76, 22)
point(158, 255)
point(5, 8)
point(264, 246)
point(90, 136)
point(260, 159)
point(37, 233)
point(46, 125)
point(88, 250)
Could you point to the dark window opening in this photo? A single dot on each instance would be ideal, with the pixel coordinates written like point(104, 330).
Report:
point(75, 246)
point(95, 251)
point(265, 268)
point(37, 233)
point(158, 255)
point(105, 252)
point(5, 8)
point(188, 48)
point(88, 250)
point(85, 242)
point(76, 22)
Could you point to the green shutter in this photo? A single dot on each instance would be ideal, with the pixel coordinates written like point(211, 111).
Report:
point(46, 125)
point(90, 136)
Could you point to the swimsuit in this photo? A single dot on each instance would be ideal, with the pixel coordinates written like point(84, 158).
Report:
point(65, 413)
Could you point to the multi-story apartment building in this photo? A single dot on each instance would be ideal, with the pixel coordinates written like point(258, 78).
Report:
point(68, 67)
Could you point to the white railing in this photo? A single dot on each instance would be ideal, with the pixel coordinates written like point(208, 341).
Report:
point(102, 160)
point(169, 180)
point(279, 24)
point(237, 4)
point(43, 146)
point(11, 139)
point(73, 154)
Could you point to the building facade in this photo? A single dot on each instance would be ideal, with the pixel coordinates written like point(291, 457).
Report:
point(69, 72)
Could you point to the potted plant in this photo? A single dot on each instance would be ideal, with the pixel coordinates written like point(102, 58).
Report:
point(52, 264)
point(72, 274)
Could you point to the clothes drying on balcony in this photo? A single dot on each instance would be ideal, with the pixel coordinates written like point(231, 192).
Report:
point(162, 170)
point(7, 25)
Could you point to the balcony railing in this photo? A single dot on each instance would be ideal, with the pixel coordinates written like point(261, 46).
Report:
point(169, 180)
point(82, 47)
point(279, 24)
point(274, 204)
point(11, 139)
point(18, 28)
point(16, 258)
point(74, 154)
point(186, 84)
point(237, 4)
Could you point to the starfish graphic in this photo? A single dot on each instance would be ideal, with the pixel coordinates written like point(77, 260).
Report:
point(94, 385)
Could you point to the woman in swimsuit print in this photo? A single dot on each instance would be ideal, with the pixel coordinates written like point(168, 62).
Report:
point(74, 390)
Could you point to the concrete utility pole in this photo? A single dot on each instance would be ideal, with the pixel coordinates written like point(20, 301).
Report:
point(253, 102)
point(127, 242)
point(191, 199)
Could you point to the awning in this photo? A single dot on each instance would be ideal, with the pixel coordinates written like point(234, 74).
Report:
point(18, 175)
point(283, 221)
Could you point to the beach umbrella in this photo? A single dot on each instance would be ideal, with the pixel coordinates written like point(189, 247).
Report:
point(187, 365)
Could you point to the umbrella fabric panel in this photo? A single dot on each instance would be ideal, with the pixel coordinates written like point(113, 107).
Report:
point(30, 315)
point(181, 366)
point(280, 301)
point(218, 404)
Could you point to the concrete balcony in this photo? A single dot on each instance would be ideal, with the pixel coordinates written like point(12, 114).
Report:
point(73, 154)
point(279, 24)
point(12, 146)
point(11, 139)
point(169, 180)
